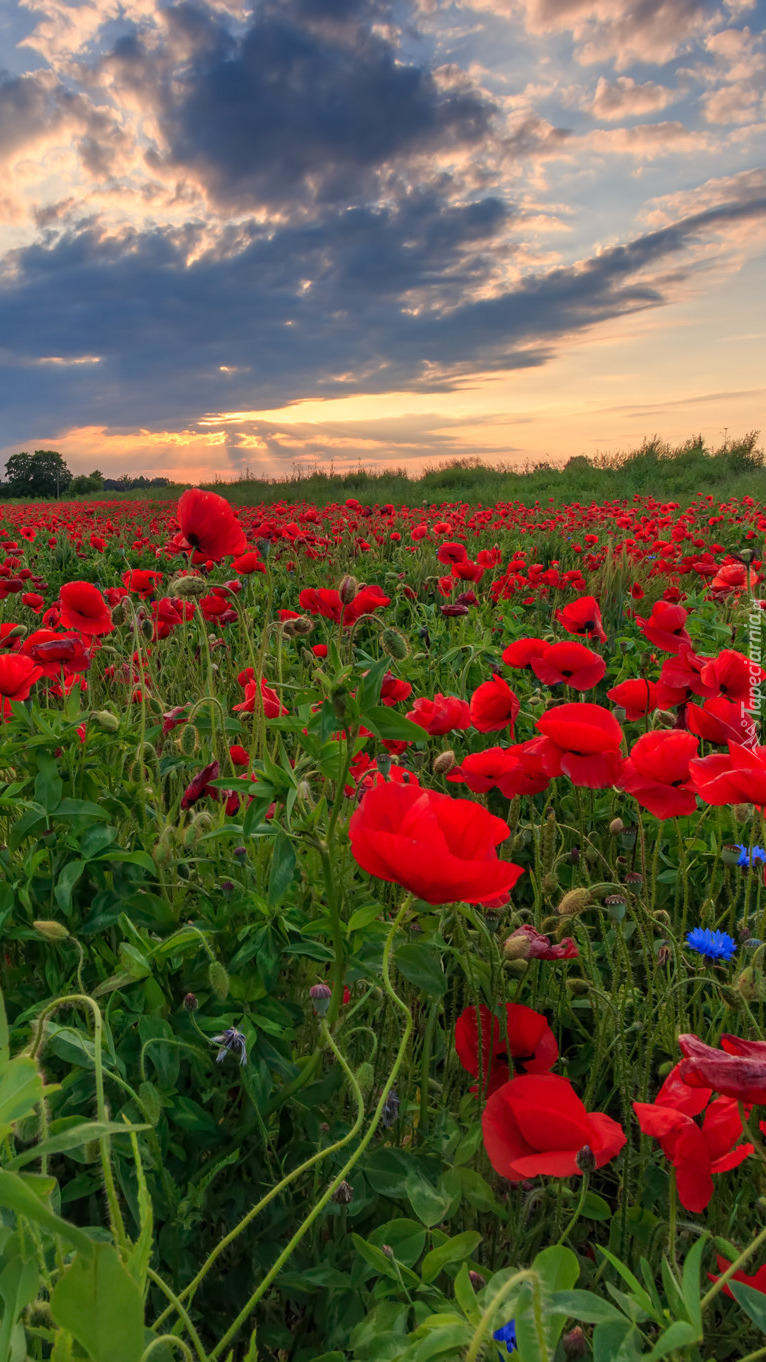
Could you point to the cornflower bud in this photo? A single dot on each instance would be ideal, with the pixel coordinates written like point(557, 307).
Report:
point(343, 1194)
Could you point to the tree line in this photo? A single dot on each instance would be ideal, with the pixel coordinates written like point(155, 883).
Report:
point(45, 474)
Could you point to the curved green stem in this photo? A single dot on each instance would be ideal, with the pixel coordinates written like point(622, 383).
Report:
point(577, 1211)
point(175, 1303)
point(482, 1327)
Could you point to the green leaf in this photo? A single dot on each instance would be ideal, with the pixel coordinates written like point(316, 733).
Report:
point(584, 1306)
point(97, 1300)
point(362, 917)
point(80, 808)
point(428, 1204)
point(368, 693)
point(616, 1342)
point(48, 785)
point(72, 1138)
point(557, 1267)
point(386, 723)
point(406, 1237)
point(66, 880)
point(691, 1282)
point(594, 1207)
point(19, 1281)
point(421, 965)
point(17, 1193)
point(753, 1302)
point(678, 1335)
point(376, 1258)
point(21, 1088)
point(283, 862)
point(466, 1296)
point(5, 1044)
point(627, 1276)
point(454, 1251)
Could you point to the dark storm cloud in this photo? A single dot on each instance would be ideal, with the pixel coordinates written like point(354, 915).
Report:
point(307, 104)
point(163, 329)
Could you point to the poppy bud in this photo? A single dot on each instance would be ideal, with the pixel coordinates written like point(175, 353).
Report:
point(150, 1101)
point(18, 631)
point(395, 644)
point(218, 980)
point(750, 984)
point(616, 826)
point(348, 589)
point(550, 882)
point(575, 1344)
point(746, 556)
point(476, 1280)
point(105, 720)
point(190, 1002)
point(517, 947)
point(320, 996)
point(364, 1077)
point(573, 902)
point(577, 987)
point(303, 626)
point(586, 1159)
point(663, 718)
point(343, 1194)
point(52, 931)
point(742, 812)
point(187, 740)
point(444, 763)
point(147, 629)
point(188, 588)
point(517, 967)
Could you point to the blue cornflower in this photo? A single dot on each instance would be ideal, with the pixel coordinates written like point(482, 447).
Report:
point(232, 1039)
point(712, 945)
point(747, 857)
point(507, 1334)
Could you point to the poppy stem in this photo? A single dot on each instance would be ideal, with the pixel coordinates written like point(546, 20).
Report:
point(482, 1328)
point(577, 1211)
point(673, 1211)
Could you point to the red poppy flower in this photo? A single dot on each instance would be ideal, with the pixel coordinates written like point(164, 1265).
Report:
point(493, 706)
point(452, 553)
point(757, 1281)
point(17, 677)
point(523, 650)
point(53, 652)
point(440, 715)
point(733, 676)
point(272, 706)
point(636, 696)
point(536, 1125)
point(736, 778)
point(141, 580)
point(583, 617)
point(33, 602)
point(665, 627)
point(239, 754)
point(582, 741)
point(199, 786)
point(482, 771)
point(696, 1152)
point(522, 1035)
point(738, 1070)
point(656, 773)
point(326, 602)
point(393, 691)
point(209, 526)
point(440, 849)
point(84, 608)
point(570, 664)
point(721, 720)
point(248, 563)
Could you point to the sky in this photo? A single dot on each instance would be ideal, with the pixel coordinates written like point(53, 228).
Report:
point(255, 237)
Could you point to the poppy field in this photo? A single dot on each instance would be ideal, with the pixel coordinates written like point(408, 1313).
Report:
point(383, 931)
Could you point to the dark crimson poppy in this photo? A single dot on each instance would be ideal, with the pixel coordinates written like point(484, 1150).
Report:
point(522, 1036)
point(665, 627)
point(582, 741)
point(209, 526)
point(696, 1152)
point(17, 677)
point(520, 653)
point(738, 1070)
point(636, 696)
point(738, 777)
point(83, 608)
point(199, 785)
point(540, 947)
point(570, 664)
point(536, 1125)
point(583, 617)
point(440, 715)
point(656, 773)
point(174, 717)
point(493, 706)
point(441, 849)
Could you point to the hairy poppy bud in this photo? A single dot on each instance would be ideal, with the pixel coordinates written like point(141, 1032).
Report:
point(105, 720)
point(218, 980)
point(550, 882)
point(320, 995)
point(187, 740)
point(517, 947)
point(52, 931)
point(616, 826)
point(575, 1344)
point(188, 588)
point(348, 589)
point(302, 627)
point(395, 644)
point(577, 987)
point(741, 812)
point(750, 984)
point(586, 1159)
point(190, 1002)
point(364, 1077)
point(444, 763)
point(573, 902)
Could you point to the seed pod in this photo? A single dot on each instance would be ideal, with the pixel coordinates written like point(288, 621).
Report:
point(730, 853)
point(742, 813)
point(619, 713)
point(52, 931)
point(573, 902)
point(395, 644)
point(218, 980)
point(150, 1101)
point(444, 763)
point(320, 995)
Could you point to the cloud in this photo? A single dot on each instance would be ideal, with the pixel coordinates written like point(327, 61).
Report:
point(647, 141)
point(626, 98)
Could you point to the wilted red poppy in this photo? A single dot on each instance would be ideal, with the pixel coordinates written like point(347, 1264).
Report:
point(696, 1152)
point(583, 617)
point(569, 664)
point(521, 1035)
point(83, 608)
point(493, 706)
point(540, 947)
point(636, 696)
point(441, 849)
point(665, 627)
point(199, 786)
point(582, 741)
point(440, 715)
point(536, 1125)
point(209, 525)
point(656, 773)
point(738, 1070)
